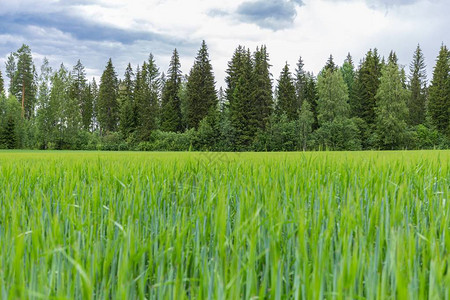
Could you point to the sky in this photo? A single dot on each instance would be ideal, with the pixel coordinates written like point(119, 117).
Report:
point(129, 30)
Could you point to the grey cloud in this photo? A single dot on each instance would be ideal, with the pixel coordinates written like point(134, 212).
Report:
point(271, 14)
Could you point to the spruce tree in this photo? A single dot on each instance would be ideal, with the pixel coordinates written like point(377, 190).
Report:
point(300, 82)
point(201, 96)
point(108, 106)
point(148, 84)
point(262, 90)
point(171, 102)
point(79, 92)
point(128, 111)
point(311, 96)
point(10, 72)
point(439, 92)
point(391, 109)
point(366, 86)
point(2, 85)
point(305, 124)
point(417, 87)
point(348, 73)
point(59, 97)
point(286, 98)
point(239, 94)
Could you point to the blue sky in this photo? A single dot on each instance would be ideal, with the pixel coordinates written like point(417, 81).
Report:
point(127, 31)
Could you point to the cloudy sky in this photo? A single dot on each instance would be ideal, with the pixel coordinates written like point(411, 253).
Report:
point(128, 30)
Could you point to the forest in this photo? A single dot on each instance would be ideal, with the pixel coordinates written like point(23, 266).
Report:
point(373, 105)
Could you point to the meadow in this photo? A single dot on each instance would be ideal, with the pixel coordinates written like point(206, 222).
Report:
point(134, 225)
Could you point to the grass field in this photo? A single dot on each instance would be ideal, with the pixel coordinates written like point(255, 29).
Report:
point(350, 225)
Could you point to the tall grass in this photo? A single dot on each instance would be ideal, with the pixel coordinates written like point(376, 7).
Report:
point(351, 225)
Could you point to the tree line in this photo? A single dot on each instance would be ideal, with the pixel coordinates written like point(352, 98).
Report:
point(374, 105)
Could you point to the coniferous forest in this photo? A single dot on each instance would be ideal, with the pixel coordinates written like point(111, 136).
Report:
point(371, 104)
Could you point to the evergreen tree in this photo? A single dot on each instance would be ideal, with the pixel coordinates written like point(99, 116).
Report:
point(201, 94)
point(10, 72)
point(312, 97)
point(128, 109)
point(417, 86)
point(286, 98)
point(239, 94)
point(171, 104)
point(59, 96)
point(366, 86)
point(262, 90)
point(330, 65)
point(148, 84)
point(23, 84)
point(80, 93)
point(108, 106)
point(300, 82)
point(2, 85)
point(439, 92)
point(391, 109)
point(348, 73)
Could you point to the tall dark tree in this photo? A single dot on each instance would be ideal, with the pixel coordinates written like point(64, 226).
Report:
point(171, 102)
point(262, 90)
point(10, 72)
point(366, 85)
point(300, 82)
point(286, 98)
point(79, 92)
point(239, 94)
point(108, 106)
point(439, 93)
point(24, 81)
point(417, 86)
point(330, 65)
point(148, 84)
point(312, 97)
point(2, 85)
point(128, 109)
point(201, 96)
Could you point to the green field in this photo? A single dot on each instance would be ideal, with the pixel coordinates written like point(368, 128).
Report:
point(350, 225)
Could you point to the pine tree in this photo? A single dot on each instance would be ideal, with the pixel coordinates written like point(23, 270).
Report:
point(23, 84)
point(148, 84)
point(286, 98)
point(108, 106)
point(2, 85)
point(171, 104)
point(330, 65)
point(417, 86)
point(262, 90)
point(391, 109)
point(439, 92)
point(201, 96)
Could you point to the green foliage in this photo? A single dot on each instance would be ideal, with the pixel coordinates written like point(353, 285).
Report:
point(108, 110)
point(305, 125)
point(2, 84)
point(286, 98)
point(22, 73)
point(171, 102)
point(417, 86)
point(262, 90)
point(333, 97)
point(201, 93)
point(391, 110)
point(439, 92)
